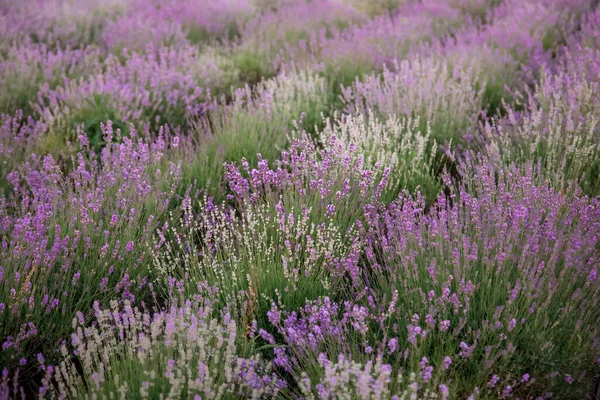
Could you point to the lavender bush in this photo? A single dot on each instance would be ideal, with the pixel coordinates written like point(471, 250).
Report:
point(446, 296)
point(182, 352)
point(311, 199)
point(291, 228)
point(55, 223)
point(445, 99)
point(400, 145)
point(27, 67)
point(559, 127)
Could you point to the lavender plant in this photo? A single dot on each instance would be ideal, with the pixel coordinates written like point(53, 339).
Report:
point(182, 352)
point(345, 379)
point(290, 230)
point(559, 128)
point(19, 137)
point(419, 88)
point(27, 67)
point(369, 46)
point(256, 121)
point(281, 36)
point(499, 248)
point(72, 238)
point(477, 296)
point(396, 144)
point(147, 90)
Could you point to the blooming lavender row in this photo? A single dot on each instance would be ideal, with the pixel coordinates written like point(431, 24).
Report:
point(324, 199)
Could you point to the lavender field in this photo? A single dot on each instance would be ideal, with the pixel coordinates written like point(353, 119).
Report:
point(300, 199)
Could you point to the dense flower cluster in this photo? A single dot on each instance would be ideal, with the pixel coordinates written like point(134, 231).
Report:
point(179, 352)
point(310, 199)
